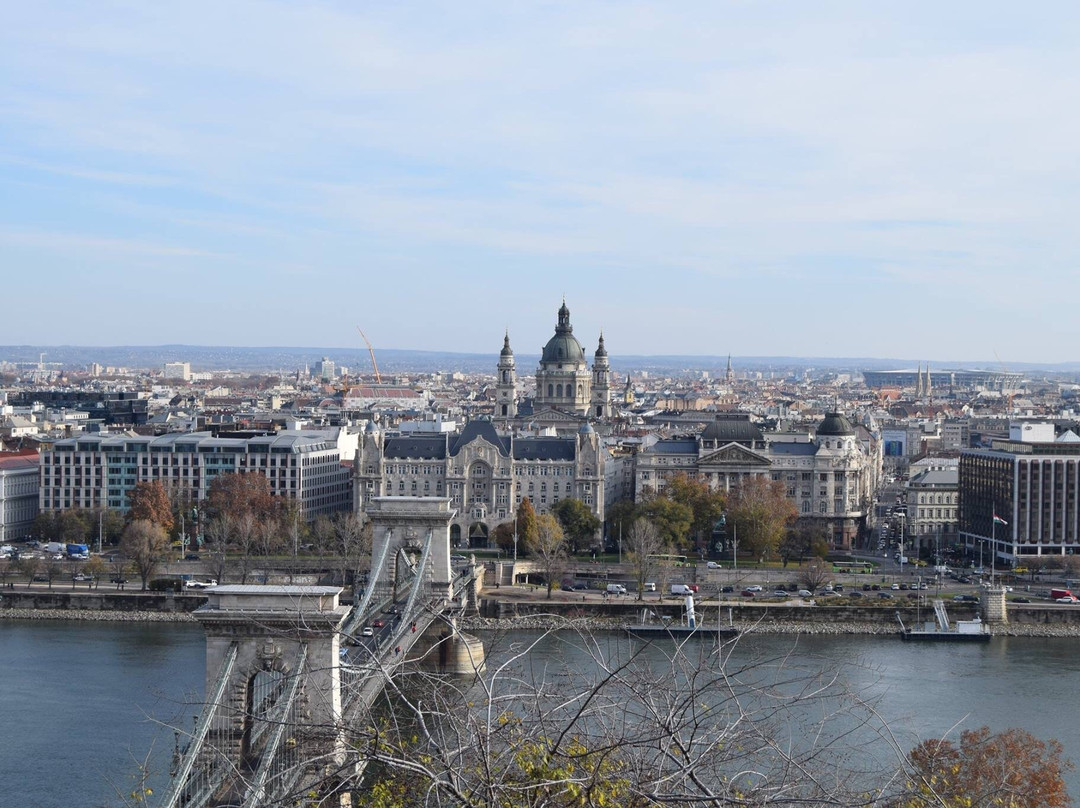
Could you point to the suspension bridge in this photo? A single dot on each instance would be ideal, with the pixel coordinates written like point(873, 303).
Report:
point(290, 671)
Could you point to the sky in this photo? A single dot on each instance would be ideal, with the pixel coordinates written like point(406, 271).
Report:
point(890, 179)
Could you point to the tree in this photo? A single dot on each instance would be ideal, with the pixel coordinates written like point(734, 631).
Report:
point(760, 509)
point(72, 525)
point(804, 539)
point(504, 537)
point(51, 569)
point(706, 505)
point(644, 544)
point(815, 574)
point(145, 543)
point(241, 493)
point(29, 567)
point(44, 526)
point(579, 524)
point(149, 502)
point(619, 517)
point(1010, 768)
point(673, 519)
point(549, 549)
point(526, 525)
point(353, 537)
point(95, 567)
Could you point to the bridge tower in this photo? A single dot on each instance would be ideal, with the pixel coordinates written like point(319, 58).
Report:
point(411, 526)
point(273, 714)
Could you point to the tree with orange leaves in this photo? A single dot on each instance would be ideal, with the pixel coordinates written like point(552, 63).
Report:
point(1011, 768)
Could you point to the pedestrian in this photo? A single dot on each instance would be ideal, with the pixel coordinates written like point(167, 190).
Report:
point(397, 651)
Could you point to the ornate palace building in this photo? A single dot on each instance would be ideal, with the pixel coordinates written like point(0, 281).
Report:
point(830, 477)
point(484, 474)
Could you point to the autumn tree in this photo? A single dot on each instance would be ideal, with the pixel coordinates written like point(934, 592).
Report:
point(673, 519)
point(145, 543)
point(579, 524)
point(706, 505)
point(815, 574)
point(242, 493)
point(72, 525)
point(802, 540)
point(526, 525)
point(549, 549)
point(1011, 768)
point(95, 567)
point(149, 502)
point(644, 545)
point(761, 511)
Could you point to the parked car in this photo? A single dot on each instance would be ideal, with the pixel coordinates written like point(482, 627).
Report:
point(896, 587)
point(885, 595)
point(458, 559)
point(191, 557)
point(82, 576)
point(118, 579)
point(713, 565)
point(780, 593)
point(805, 593)
point(866, 587)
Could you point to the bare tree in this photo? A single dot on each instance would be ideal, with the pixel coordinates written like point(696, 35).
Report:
point(29, 566)
point(815, 574)
point(352, 543)
point(244, 537)
point(644, 545)
point(146, 544)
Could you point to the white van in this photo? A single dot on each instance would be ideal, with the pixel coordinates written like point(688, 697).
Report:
point(681, 589)
point(649, 587)
point(616, 589)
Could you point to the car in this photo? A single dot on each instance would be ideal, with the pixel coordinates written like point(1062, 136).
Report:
point(458, 559)
point(1067, 600)
point(1021, 600)
point(368, 631)
point(749, 593)
point(895, 587)
point(754, 588)
point(82, 576)
point(200, 584)
point(780, 593)
point(855, 595)
point(827, 593)
point(905, 587)
point(713, 565)
point(378, 623)
point(118, 579)
point(191, 556)
point(805, 593)
point(727, 589)
point(885, 595)
point(874, 587)
point(866, 587)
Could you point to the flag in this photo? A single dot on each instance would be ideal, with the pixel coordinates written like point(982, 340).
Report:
point(999, 521)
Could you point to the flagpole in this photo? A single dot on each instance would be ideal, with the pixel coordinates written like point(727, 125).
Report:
point(993, 540)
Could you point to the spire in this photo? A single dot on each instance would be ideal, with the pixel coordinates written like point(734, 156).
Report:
point(926, 386)
point(564, 319)
point(506, 350)
point(918, 382)
point(729, 374)
point(600, 349)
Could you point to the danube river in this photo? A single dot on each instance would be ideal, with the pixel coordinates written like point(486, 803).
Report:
point(80, 702)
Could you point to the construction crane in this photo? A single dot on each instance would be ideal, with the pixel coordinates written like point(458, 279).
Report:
point(374, 364)
point(1004, 380)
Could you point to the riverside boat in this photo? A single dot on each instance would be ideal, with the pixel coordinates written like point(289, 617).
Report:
point(941, 630)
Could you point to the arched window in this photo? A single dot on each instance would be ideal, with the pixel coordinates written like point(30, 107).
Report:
point(558, 391)
point(580, 389)
point(551, 391)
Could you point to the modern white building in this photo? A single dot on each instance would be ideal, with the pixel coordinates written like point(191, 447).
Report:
point(18, 493)
point(177, 370)
point(90, 471)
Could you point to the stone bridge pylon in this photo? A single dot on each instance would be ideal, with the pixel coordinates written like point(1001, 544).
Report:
point(403, 530)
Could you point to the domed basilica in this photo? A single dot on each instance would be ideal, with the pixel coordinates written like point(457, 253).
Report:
point(564, 382)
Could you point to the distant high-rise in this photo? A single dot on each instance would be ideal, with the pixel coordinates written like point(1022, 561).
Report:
point(177, 370)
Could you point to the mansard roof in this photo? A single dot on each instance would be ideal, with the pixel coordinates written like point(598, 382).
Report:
point(793, 448)
point(732, 427)
point(415, 448)
point(480, 428)
point(545, 449)
point(674, 446)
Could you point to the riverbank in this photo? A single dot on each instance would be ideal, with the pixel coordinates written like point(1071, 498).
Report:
point(96, 616)
point(537, 622)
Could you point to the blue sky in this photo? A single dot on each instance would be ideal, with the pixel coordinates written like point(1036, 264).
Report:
point(815, 179)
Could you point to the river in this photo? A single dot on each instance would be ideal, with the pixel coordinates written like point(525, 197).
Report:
point(80, 701)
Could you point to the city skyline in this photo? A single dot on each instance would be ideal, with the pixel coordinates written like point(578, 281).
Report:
point(766, 180)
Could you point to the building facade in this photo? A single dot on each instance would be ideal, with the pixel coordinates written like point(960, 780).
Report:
point(485, 474)
point(933, 505)
point(18, 493)
point(1031, 485)
point(98, 471)
point(830, 477)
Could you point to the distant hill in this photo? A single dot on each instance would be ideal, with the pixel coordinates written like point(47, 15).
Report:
point(393, 360)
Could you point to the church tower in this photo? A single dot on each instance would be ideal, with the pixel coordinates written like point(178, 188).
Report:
point(506, 386)
point(628, 392)
point(601, 382)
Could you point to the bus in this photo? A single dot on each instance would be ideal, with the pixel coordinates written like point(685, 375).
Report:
point(852, 567)
point(668, 558)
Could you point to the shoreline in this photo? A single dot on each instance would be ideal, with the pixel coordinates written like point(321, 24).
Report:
point(97, 616)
